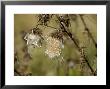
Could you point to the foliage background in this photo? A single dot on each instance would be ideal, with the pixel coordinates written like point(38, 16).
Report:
point(40, 64)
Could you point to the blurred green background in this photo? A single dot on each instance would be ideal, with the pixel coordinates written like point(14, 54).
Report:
point(40, 64)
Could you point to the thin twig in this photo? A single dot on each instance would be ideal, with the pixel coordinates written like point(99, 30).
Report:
point(89, 33)
point(75, 42)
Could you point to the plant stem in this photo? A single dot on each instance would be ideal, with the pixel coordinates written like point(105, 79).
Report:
point(75, 42)
point(89, 33)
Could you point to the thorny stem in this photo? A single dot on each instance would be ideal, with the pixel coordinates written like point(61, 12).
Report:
point(73, 39)
point(89, 33)
point(75, 42)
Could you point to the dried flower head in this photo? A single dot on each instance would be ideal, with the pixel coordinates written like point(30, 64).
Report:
point(53, 47)
point(32, 38)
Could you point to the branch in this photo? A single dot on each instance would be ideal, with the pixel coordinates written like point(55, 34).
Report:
point(89, 33)
point(75, 42)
